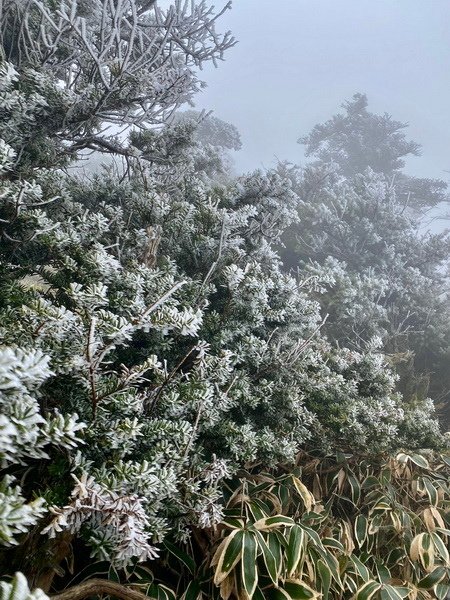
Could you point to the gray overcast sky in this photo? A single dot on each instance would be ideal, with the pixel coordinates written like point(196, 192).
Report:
point(298, 60)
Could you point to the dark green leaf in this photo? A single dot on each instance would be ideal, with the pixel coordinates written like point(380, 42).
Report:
point(294, 551)
point(277, 550)
point(367, 590)
point(231, 554)
point(420, 461)
point(354, 487)
point(182, 556)
point(192, 591)
point(325, 578)
point(269, 559)
point(361, 527)
point(249, 567)
point(274, 522)
point(432, 578)
point(361, 568)
point(442, 590)
point(299, 591)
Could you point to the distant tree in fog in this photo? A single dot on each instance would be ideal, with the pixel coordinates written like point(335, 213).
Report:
point(212, 142)
point(212, 130)
point(359, 234)
point(358, 139)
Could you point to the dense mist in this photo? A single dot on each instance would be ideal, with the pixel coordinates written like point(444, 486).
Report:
point(298, 60)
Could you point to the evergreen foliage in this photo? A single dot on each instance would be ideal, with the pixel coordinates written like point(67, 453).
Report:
point(361, 234)
point(158, 356)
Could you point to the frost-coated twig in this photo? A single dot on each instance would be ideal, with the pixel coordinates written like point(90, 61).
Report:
point(140, 59)
point(293, 355)
point(169, 378)
point(90, 350)
point(194, 430)
point(215, 263)
point(161, 300)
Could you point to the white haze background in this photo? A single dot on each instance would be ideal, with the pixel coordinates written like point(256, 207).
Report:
point(298, 60)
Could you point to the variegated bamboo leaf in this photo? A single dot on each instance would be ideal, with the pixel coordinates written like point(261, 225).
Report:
point(249, 567)
point(361, 528)
point(295, 549)
point(304, 493)
point(432, 579)
point(273, 569)
point(298, 590)
point(367, 590)
point(230, 556)
point(274, 522)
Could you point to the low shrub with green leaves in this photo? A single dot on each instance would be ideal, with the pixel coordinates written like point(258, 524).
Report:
point(336, 526)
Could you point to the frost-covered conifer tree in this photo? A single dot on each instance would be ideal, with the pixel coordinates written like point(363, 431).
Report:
point(213, 141)
point(358, 139)
point(171, 330)
point(361, 231)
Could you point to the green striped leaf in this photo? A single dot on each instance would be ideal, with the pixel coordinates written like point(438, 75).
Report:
point(419, 460)
point(184, 558)
point(431, 491)
point(276, 548)
point(249, 568)
point(360, 568)
point(273, 523)
point(278, 594)
point(389, 592)
point(441, 547)
point(332, 563)
point(300, 591)
point(161, 592)
point(432, 579)
point(256, 511)
point(234, 522)
point(230, 556)
point(355, 487)
point(324, 572)
point(192, 591)
point(165, 593)
point(383, 572)
point(332, 543)
point(442, 590)
point(367, 590)
point(403, 591)
point(280, 537)
point(395, 556)
point(270, 562)
point(295, 549)
point(370, 482)
point(304, 493)
point(258, 595)
point(313, 536)
point(361, 528)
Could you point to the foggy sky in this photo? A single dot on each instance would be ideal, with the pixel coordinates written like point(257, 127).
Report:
point(298, 60)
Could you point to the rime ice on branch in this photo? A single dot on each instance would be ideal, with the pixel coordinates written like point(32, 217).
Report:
point(123, 62)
